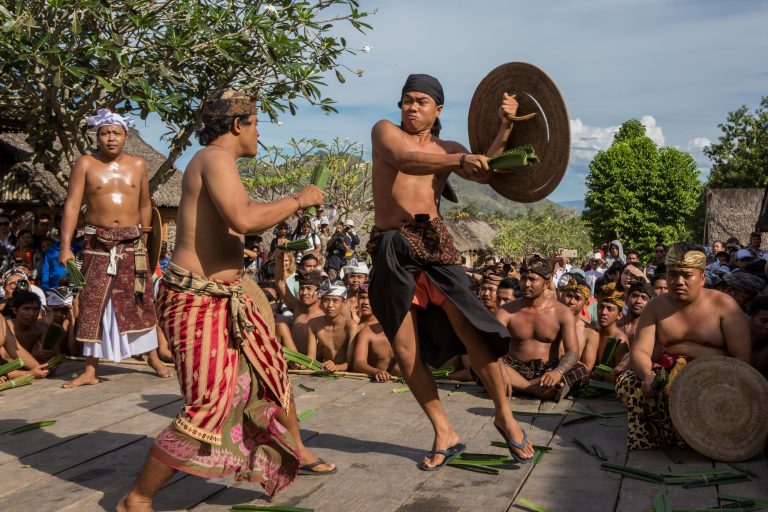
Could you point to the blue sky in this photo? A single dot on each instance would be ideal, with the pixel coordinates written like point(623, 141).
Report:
point(678, 65)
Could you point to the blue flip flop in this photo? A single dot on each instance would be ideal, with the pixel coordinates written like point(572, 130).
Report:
point(512, 444)
point(449, 454)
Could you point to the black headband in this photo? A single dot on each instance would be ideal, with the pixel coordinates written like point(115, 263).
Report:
point(430, 86)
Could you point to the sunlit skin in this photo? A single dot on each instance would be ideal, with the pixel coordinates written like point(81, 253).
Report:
point(308, 265)
point(607, 316)
point(689, 320)
point(717, 246)
point(353, 281)
point(636, 302)
point(487, 294)
point(410, 168)
point(11, 283)
point(29, 331)
point(214, 215)
point(588, 337)
point(330, 336)
point(504, 295)
point(372, 354)
point(538, 325)
point(364, 309)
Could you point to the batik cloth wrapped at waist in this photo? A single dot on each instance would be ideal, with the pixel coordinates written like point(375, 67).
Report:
point(667, 361)
point(529, 370)
point(422, 251)
point(115, 267)
point(198, 315)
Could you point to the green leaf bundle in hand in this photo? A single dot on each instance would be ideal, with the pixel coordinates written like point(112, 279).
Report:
point(319, 179)
point(75, 276)
point(308, 362)
point(17, 382)
point(16, 364)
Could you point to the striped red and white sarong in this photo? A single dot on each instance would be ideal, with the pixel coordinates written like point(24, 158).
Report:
point(234, 381)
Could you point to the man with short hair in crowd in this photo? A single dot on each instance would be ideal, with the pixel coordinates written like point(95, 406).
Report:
point(330, 336)
point(718, 246)
point(41, 229)
point(538, 325)
point(507, 291)
point(372, 352)
point(610, 304)
point(354, 274)
point(633, 256)
point(574, 296)
point(488, 289)
point(755, 241)
point(639, 295)
point(27, 327)
point(688, 321)
point(659, 280)
point(659, 253)
point(305, 306)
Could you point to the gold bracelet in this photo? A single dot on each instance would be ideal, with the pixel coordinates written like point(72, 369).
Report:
point(146, 230)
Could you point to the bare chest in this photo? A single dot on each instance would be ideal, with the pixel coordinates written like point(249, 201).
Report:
point(698, 327)
point(541, 326)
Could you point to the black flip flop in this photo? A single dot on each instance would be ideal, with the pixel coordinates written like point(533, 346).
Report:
point(512, 444)
point(449, 454)
point(306, 469)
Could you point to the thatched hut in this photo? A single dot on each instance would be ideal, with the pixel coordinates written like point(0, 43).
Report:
point(732, 212)
point(29, 188)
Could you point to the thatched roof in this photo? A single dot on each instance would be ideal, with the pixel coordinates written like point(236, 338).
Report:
point(22, 182)
point(732, 212)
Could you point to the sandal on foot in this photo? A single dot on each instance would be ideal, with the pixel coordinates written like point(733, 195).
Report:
point(449, 454)
point(308, 469)
point(512, 444)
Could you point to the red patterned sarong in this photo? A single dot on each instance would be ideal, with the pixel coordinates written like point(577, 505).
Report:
point(135, 313)
point(234, 381)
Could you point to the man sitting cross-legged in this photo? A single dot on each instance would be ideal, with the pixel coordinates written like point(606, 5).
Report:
point(688, 321)
point(372, 352)
point(26, 326)
point(610, 304)
point(11, 349)
point(538, 325)
point(331, 335)
point(574, 296)
point(305, 307)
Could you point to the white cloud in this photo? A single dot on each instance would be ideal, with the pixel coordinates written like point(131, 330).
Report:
point(696, 147)
point(698, 143)
point(587, 140)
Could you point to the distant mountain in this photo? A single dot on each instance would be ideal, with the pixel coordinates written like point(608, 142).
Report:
point(575, 205)
point(487, 200)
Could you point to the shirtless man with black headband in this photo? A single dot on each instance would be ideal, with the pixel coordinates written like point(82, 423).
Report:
point(419, 290)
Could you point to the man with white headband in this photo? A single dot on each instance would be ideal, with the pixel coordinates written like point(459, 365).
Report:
point(354, 274)
point(331, 335)
point(117, 311)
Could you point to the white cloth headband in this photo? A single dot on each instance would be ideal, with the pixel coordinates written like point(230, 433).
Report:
point(106, 118)
point(333, 289)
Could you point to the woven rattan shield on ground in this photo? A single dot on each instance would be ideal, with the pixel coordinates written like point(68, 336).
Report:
point(548, 132)
point(718, 405)
point(252, 288)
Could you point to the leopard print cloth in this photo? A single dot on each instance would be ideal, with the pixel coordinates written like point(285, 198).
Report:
point(649, 424)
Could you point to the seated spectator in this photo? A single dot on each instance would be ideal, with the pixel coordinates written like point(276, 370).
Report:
point(718, 246)
point(26, 326)
point(743, 258)
point(354, 275)
point(10, 350)
point(330, 336)
point(304, 307)
point(372, 352)
point(659, 253)
point(308, 263)
point(489, 286)
point(26, 248)
point(508, 290)
point(632, 256)
point(687, 322)
point(64, 311)
point(574, 296)
point(364, 307)
point(13, 279)
point(610, 305)
point(659, 280)
point(538, 325)
point(742, 287)
point(758, 326)
point(40, 230)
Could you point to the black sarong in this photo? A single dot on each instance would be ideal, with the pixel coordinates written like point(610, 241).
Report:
point(391, 291)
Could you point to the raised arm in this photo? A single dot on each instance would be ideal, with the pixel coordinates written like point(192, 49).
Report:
point(243, 216)
point(507, 111)
point(390, 145)
point(282, 290)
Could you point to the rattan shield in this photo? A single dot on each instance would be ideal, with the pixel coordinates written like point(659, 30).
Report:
point(718, 405)
point(155, 240)
point(548, 132)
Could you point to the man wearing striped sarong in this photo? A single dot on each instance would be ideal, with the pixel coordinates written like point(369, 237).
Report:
point(238, 414)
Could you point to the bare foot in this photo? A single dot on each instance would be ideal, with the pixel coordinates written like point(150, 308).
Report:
point(124, 505)
point(442, 442)
point(156, 364)
point(84, 379)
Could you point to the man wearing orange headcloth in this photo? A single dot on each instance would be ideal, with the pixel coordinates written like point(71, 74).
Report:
point(687, 322)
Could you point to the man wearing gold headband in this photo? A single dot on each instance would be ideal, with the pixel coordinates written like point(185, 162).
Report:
point(574, 296)
point(539, 325)
point(238, 414)
point(688, 321)
point(610, 304)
